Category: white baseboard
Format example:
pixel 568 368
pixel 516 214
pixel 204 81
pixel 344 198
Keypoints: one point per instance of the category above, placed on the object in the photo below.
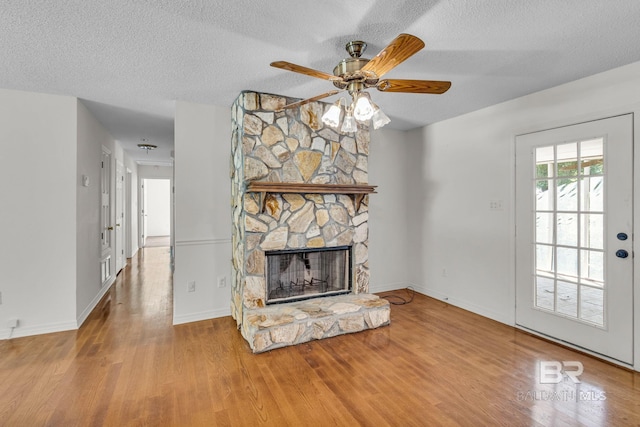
pixel 465 305
pixel 203 315
pixel 385 287
pixel 56 327
pixel 37 330
pixel 87 311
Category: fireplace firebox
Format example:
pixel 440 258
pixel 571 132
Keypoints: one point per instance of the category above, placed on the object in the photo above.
pixel 294 275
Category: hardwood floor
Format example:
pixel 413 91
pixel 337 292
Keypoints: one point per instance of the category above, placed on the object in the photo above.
pixel 435 365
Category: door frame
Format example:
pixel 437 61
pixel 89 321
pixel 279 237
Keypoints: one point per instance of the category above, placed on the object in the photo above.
pixel 120 224
pixel 142 204
pixel 127 213
pixel 612 337
pixel 106 218
pixel 632 109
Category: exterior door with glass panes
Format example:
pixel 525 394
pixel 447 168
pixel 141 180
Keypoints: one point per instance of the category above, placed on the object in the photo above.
pixel 574 230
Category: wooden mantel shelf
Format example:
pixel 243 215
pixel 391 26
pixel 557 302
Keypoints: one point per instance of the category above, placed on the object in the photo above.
pixel 356 191
pixel 287 187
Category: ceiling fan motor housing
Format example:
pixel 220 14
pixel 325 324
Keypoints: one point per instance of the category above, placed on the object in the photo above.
pixel 348 69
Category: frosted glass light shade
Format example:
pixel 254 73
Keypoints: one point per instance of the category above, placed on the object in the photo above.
pixel 379 119
pixel 349 124
pixel 363 110
pixel 332 116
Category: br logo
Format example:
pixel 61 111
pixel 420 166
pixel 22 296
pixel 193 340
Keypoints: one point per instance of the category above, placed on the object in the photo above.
pixel 553 372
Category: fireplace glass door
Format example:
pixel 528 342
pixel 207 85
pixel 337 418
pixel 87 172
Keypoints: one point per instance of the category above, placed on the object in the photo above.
pixel 307 273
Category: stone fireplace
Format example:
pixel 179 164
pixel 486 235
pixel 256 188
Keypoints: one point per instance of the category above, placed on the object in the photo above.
pixel 300 225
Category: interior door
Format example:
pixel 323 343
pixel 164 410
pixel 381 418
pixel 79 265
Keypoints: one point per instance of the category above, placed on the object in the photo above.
pixel 105 216
pixel 143 214
pixel 574 232
pixel 120 220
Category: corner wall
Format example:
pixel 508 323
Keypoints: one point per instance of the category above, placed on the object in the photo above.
pixel 91 136
pixel 38 187
pixel 388 213
pixel 132 209
pixel 462 251
pixel 202 211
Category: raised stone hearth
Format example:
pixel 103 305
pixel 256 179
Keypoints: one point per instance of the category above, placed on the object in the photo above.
pixel 295 323
pixel 298 186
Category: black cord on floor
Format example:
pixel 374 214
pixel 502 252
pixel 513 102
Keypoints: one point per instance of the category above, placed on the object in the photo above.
pixel 400 300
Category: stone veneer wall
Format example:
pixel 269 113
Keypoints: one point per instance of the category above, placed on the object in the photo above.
pixel 292 146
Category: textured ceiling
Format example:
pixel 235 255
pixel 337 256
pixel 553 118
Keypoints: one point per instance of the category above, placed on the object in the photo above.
pixel 129 61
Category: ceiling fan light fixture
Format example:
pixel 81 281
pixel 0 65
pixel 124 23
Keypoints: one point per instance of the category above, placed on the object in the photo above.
pixel 362 110
pixel 379 118
pixel 349 123
pixel 146 146
pixel 332 116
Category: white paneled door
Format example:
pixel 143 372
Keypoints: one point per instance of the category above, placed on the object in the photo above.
pixel 574 232
pixel 120 219
pixel 105 216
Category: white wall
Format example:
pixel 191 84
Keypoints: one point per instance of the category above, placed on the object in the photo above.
pixel 38 184
pixel 132 213
pixel 388 214
pixel 91 136
pixel 202 211
pixel 155 172
pixel 157 193
pixel 461 250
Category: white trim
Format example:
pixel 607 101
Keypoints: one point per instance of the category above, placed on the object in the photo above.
pixel 572 346
pixel 38 330
pixel 590 116
pixel 92 305
pixel 386 287
pixel 615 111
pixel 203 315
pixel 202 242
pixel 636 240
pixel 465 305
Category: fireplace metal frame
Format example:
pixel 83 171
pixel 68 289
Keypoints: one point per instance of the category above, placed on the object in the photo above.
pixel 351 279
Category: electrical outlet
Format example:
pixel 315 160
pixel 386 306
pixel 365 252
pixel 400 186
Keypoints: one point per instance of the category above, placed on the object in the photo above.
pixel 192 286
pixel 496 205
pixel 12 323
pixel 222 282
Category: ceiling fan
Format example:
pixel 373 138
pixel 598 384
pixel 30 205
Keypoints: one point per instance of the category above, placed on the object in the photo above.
pixel 356 74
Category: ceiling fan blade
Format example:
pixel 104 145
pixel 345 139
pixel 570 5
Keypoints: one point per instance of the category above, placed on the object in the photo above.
pixel 308 100
pixel 401 48
pixel 413 86
pixel 304 70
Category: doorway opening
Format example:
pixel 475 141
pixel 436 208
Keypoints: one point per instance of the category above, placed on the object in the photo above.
pixel 156 213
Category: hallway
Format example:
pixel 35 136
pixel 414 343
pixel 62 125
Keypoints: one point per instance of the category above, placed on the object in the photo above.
pixel 436 364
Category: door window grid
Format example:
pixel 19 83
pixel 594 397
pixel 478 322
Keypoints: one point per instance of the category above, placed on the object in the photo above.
pixel 569 230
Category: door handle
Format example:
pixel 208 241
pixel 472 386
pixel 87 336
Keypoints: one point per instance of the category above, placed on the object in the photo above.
pixel 117 225
pixel 621 253
pixel 110 228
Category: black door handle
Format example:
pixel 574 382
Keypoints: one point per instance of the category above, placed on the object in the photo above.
pixel 621 253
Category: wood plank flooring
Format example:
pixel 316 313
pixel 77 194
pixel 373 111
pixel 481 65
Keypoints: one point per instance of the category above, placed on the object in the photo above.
pixel 435 365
